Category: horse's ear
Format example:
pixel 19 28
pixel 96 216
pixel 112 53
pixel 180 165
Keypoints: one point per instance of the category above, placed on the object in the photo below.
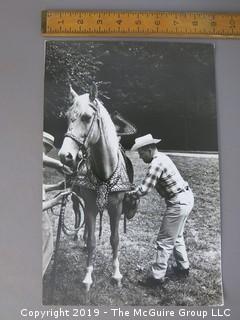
pixel 93 92
pixel 72 94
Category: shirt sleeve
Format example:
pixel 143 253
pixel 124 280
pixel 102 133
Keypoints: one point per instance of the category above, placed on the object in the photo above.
pixel 150 180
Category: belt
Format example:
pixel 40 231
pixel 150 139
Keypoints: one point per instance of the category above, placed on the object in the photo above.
pixel 186 188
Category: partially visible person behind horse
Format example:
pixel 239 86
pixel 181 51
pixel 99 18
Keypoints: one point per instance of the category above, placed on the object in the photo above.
pixel 47 233
pixel 123 126
pixel 163 175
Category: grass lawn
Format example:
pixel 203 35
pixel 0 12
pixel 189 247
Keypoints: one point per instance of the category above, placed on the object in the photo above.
pixel 203 241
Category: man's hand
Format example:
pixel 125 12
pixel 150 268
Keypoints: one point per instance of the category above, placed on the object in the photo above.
pixel 47 204
pixel 64 169
pixel 132 194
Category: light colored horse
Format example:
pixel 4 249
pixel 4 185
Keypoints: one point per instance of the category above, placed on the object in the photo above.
pixel 91 133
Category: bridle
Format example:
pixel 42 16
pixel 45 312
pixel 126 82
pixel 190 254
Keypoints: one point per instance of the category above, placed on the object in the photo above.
pixel 83 142
pixel 83 146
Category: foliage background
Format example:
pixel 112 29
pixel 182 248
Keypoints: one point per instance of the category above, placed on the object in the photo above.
pixel 167 89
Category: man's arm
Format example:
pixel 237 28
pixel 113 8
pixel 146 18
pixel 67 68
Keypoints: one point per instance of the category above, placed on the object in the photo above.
pixel 47 204
pixel 56 186
pixel 56 164
pixel 149 182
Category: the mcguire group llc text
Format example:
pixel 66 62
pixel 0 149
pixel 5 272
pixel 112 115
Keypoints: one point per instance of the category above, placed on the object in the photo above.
pixel 84 313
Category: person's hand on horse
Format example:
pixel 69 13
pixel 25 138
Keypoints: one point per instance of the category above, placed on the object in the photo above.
pixel 65 169
pixel 132 194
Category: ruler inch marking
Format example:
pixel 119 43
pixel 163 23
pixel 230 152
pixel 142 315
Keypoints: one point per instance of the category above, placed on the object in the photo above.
pixel 140 23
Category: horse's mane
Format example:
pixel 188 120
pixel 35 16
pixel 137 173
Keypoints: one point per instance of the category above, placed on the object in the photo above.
pixel 108 127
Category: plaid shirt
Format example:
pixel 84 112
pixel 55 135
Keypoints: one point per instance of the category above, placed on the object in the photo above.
pixel 164 176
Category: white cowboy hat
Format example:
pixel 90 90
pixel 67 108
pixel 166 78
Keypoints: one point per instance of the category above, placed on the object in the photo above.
pixel 48 139
pixel 144 141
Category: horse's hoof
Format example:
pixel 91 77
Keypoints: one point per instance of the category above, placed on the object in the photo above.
pixel 87 283
pixel 117 281
pixel 87 286
pixel 83 247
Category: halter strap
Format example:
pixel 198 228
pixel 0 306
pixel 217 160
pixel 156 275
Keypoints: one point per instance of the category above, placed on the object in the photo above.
pixel 74 138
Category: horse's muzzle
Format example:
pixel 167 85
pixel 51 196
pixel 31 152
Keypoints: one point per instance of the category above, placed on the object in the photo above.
pixel 66 158
pixel 68 152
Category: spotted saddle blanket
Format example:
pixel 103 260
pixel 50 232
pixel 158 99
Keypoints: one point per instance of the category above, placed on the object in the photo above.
pixel 121 180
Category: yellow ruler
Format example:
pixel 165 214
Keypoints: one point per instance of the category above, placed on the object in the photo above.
pixel 71 23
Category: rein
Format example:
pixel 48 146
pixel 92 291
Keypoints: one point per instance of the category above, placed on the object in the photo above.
pixel 66 230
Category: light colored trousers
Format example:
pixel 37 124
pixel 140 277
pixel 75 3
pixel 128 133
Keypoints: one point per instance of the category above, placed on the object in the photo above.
pixel 47 241
pixel 170 238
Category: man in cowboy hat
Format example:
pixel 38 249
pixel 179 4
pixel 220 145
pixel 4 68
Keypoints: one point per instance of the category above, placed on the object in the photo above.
pixel 165 177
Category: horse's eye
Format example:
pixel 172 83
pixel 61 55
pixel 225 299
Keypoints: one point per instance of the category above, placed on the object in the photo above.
pixel 86 118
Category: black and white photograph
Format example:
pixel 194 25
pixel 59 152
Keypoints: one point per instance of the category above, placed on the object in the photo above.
pixel 131 189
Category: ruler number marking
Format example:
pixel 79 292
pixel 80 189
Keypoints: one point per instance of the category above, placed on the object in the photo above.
pixel 232 23
pixel 183 23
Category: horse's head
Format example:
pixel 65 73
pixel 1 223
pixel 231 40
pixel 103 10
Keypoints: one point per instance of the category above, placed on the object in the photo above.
pixel 82 126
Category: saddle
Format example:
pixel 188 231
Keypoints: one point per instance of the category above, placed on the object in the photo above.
pixel 130 205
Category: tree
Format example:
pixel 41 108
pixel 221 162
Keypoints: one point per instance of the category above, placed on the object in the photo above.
pixel 66 63
pixel 157 86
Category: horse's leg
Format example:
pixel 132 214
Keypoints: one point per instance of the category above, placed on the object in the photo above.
pixel 85 234
pixel 91 213
pixel 115 211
